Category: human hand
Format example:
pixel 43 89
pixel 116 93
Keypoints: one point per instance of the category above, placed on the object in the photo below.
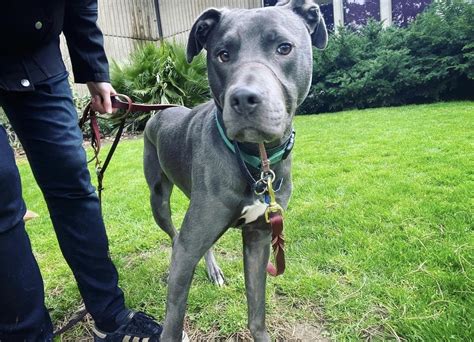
pixel 101 92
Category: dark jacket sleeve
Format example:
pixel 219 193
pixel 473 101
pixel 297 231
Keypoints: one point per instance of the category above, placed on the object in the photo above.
pixel 85 41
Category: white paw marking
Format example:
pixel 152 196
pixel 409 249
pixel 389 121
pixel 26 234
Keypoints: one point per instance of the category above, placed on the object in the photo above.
pixel 252 212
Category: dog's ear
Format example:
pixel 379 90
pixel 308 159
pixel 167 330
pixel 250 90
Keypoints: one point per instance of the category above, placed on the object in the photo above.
pixel 311 14
pixel 200 32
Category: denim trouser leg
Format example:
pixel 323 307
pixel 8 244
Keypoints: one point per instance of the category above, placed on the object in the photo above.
pixel 23 315
pixel 46 123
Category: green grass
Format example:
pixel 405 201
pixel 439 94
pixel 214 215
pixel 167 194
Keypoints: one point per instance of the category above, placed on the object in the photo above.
pixel 379 232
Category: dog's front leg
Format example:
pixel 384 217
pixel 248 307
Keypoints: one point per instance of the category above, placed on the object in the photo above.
pixel 256 240
pixel 205 221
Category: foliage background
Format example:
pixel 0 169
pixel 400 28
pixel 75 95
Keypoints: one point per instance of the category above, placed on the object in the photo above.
pixel 161 74
pixel 430 60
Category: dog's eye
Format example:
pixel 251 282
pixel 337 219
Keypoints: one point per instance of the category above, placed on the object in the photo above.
pixel 223 56
pixel 284 49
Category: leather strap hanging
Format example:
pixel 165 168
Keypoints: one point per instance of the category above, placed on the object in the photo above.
pixel 91 116
pixel 274 217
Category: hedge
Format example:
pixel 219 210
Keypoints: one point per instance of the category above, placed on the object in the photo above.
pixel 430 60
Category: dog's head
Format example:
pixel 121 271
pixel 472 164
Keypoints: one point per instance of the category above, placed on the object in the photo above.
pixel 259 64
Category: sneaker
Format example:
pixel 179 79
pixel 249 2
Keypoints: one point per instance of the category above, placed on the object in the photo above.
pixel 136 326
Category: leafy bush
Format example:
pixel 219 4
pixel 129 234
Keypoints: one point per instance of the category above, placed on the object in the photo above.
pixel 431 60
pixel 161 74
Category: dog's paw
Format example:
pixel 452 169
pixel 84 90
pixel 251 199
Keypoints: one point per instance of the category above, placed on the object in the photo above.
pixel 215 274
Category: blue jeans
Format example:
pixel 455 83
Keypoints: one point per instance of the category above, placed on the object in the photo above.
pixel 45 121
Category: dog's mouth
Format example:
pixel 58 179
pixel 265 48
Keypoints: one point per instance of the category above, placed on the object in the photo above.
pixel 263 129
pixel 253 135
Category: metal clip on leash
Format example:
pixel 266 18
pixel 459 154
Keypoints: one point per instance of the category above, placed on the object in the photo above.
pixel 273 206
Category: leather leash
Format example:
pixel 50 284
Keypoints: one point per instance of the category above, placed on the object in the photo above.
pixel 273 216
pixel 91 115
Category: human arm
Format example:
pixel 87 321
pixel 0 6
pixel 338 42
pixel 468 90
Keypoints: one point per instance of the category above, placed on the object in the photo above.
pixel 86 49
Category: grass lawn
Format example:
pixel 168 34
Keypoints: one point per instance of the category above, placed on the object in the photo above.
pixel 379 234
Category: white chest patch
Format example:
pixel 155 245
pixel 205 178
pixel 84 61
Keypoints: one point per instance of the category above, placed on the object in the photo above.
pixel 252 212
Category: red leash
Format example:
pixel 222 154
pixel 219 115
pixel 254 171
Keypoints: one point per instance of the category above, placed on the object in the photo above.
pixel 274 217
pixel 90 115
pixel 278 244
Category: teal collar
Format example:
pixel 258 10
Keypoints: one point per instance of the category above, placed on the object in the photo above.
pixel 275 155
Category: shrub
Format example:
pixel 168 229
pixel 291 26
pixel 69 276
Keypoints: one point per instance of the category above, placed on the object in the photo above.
pixel 431 60
pixel 161 74
pixel 441 43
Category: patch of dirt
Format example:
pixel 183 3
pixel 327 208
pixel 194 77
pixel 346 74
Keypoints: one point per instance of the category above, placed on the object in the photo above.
pixel 297 332
pixel 301 332
pixel 308 332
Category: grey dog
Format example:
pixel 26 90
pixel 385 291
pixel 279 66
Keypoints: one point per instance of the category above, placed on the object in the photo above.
pixel 259 67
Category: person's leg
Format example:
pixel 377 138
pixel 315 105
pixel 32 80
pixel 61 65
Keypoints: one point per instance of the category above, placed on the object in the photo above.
pixel 23 316
pixel 46 123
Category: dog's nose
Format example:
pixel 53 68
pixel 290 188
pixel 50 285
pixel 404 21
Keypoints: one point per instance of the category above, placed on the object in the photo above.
pixel 245 100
